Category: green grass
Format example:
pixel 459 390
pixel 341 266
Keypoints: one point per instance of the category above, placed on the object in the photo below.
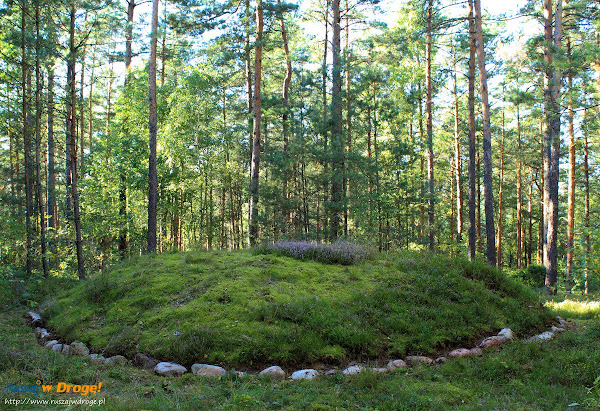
pixel 242 310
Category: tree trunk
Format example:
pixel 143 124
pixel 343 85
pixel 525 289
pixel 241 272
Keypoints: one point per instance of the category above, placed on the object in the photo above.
pixel 471 119
pixel 487 141
pixel 152 175
pixel 571 189
pixel 51 184
pixel 255 160
pixel 429 113
pixel 551 141
pixel 586 210
pixel 348 119
pixel 519 258
pixel 500 198
pixel 337 138
pixel 285 93
pixel 457 165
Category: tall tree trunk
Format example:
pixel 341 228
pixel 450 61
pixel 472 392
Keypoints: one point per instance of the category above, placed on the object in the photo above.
pixel 471 119
pixel 429 113
pixel 571 192
pixel 255 160
pixel 487 140
pixel 500 197
pixel 152 175
pixel 457 165
pixel 348 118
pixel 586 210
pixel 51 184
pixel 27 166
pixel 520 236
pixel 552 140
pixel 337 138
pixel 38 143
pixel 285 93
pixel 325 120
pixel 72 142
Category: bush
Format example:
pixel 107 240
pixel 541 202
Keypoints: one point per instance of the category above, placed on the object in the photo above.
pixel 533 276
pixel 340 252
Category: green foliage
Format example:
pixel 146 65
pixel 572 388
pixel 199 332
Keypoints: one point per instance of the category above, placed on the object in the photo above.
pixel 240 308
pixel 533 275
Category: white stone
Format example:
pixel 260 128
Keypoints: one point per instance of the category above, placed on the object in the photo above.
pixel 207 370
pixel 545 336
pixel 52 343
pixel 379 370
pixel 396 364
pixel 57 347
pixel 169 369
pixel 274 371
pixel 308 374
pixel 555 329
pixel 353 370
pixel 506 334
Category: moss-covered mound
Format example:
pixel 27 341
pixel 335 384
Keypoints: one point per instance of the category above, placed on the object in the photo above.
pixel 244 310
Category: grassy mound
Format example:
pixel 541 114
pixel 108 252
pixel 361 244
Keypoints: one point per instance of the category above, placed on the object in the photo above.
pixel 241 309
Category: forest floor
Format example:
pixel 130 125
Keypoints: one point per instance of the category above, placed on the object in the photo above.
pixel 562 373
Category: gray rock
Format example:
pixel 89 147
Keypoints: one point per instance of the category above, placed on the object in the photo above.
pixel 35 320
pixel 308 374
pixel 478 352
pixel 545 336
pixel 240 374
pixel 555 329
pixel 98 358
pixel 57 347
pixel 274 371
pixel 207 370
pixel 460 352
pixel 51 343
pixel 79 348
pixel 169 369
pixel 440 360
pixel 413 360
pixel 144 361
pixel 379 370
pixel 42 334
pixel 396 364
pixel 66 349
pixel 493 341
pixel 332 371
pixel 116 360
pixel 506 334
pixel 353 370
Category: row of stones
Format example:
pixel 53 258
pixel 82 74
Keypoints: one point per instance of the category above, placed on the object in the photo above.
pixel 206 370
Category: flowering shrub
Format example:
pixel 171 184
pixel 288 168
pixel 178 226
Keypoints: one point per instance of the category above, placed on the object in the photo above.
pixel 340 252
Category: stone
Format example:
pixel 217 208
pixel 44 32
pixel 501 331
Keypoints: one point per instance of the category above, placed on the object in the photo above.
pixel 66 349
pixel 379 370
pixel 396 364
pixel 240 374
pixel 51 343
pixel 207 370
pixel 308 374
pixel 353 370
pixel 413 360
pixel 506 334
pixel 274 371
pixel 79 348
pixel 144 361
pixel 494 341
pixel 460 352
pixel 57 347
pixel 98 358
pixel 169 369
pixel 545 336
pixel 35 320
pixel 478 352
pixel 116 360
pixel 42 333
pixel 555 329
pixel 332 371
pixel 440 360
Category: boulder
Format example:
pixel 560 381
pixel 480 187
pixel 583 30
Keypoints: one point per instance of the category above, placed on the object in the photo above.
pixel 98 358
pixel 274 371
pixel 545 336
pixel 494 341
pixel 379 370
pixel 332 371
pixel 57 347
pixel 396 364
pixel 555 329
pixel 308 374
pixel 66 349
pixel 51 343
pixel 144 361
pixel 506 334
pixel 34 319
pixel 116 360
pixel 460 352
pixel 207 370
pixel 169 369
pixel 440 360
pixel 413 360
pixel 42 334
pixel 478 352
pixel 79 348
pixel 353 370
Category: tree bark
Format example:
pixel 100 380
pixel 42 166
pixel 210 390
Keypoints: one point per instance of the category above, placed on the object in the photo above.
pixel 500 197
pixel 586 210
pixel 487 141
pixel 27 166
pixel 337 138
pixel 51 177
pixel 471 120
pixel 520 236
pixel 429 113
pixel 255 160
pixel 457 165
pixel 285 93
pixel 152 174
pixel 571 189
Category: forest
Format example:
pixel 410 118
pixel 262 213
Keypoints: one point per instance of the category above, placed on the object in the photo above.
pixel 132 127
